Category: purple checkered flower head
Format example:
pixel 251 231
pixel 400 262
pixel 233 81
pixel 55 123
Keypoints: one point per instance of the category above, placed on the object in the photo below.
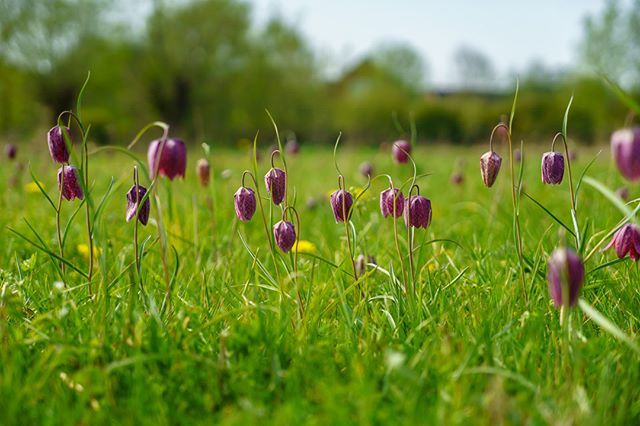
pixel 490 163
pixel 388 198
pixel 244 201
pixel 134 198
pixel 57 145
pixel 168 157
pixel 285 235
pixel 417 211
pixel 69 183
pixel 625 148
pixel 565 268
pixel 341 202
pixel 276 182
pixel 626 241
pixel 552 168
pixel 400 151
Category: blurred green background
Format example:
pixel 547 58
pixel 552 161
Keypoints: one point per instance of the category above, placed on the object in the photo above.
pixel 209 70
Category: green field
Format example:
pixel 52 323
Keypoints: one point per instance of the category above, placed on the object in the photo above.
pixel 471 346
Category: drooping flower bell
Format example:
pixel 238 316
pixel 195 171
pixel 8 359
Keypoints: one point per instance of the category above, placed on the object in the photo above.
pixel 552 168
pixel 341 202
pixel 203 171
pixel 387 199
pixel 565 268
pixel 400 151
pixel 366 169
pixel 57 145
pixel 490 163
pixel 625 148
pixel 292 147
pixel 626 241
pixel 276 183
pixel 134 198
pixel 417 212
pixel 11 150
pixel 69 183
pixel 285 235
pixel 169 159
pixel 244 201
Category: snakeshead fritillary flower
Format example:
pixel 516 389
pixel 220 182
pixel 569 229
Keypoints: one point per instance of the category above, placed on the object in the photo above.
pixel 57 146
pixel 626 240
pixel 490 163
pixel 552 168
pixel 276 182
pixel 244 201
pixel 625 148
pixel 565 268
pixel 203 171
pixel 366 169
pixel 341 202
pixel 292 147
pixel 623 193
pixel 400 151
pixel 417 212
pixel 387 198
pixel 285 235
pixel 11 150
pixel 133 201
pixel 457 178
pixel 70 185
pixel 171 162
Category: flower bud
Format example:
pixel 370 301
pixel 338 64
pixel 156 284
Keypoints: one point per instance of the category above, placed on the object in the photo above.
pixel 134 197
pixel 626 241
pixel 11 150
pixel 625 148
pixel 417 212
pixel 366 169
pixel 203 171
pixel 490 163
pixel 552 168
pixel 285 235
pixel 57 145
pixel 341 202
pixel 68 183
pixel 276 182
pixel 400 151
pixel 168 159
pixel 244 201
pixel 387 199
pixel 565 268
pixel 292 147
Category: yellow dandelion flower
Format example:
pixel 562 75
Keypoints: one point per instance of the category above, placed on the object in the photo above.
pixel 83 249
pixel 31 187
pixel 304 246
pixel 432 267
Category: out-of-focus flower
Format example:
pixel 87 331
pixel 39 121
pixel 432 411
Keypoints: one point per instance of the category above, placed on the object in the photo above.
pixel 366 169
pixel 168 157
pixel 565 268
pixel 625 148
pixel 203 171
pixel 11 151
pixel 304 246
pixel 626 241
pixel 400 151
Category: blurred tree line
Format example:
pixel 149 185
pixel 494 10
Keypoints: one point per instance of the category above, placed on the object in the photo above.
pixel 203 67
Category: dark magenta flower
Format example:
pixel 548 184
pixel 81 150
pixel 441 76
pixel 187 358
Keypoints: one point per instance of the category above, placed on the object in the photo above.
pixel 565 268
pixel 400 151
pixel 552 168
pixel 276 182
pixel 69 184
pixel 171 161
pixel 292 147
pixel 203 171
pixel 625 148
pixel 285 235
pixel 417 212
pixel 244 201
pixel 490 163
pixel 517 155
pixel 134 197
pixel 341 202
pixel 387 199
pixel 626 240
pixel 11 150
pixel 57 145
pixel 366 169
pixel 457 178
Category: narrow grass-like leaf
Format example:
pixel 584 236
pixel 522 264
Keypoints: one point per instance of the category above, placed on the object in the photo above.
pixel 551 215
pixel 610 195
pixel 607 325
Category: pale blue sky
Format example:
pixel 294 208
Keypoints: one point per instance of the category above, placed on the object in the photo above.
pixel 511 33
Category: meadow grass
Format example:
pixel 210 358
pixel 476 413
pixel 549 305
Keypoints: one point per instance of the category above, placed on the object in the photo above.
pixel 467 349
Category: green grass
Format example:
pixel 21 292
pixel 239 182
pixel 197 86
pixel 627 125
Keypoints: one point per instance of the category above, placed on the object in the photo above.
pixel 466 350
